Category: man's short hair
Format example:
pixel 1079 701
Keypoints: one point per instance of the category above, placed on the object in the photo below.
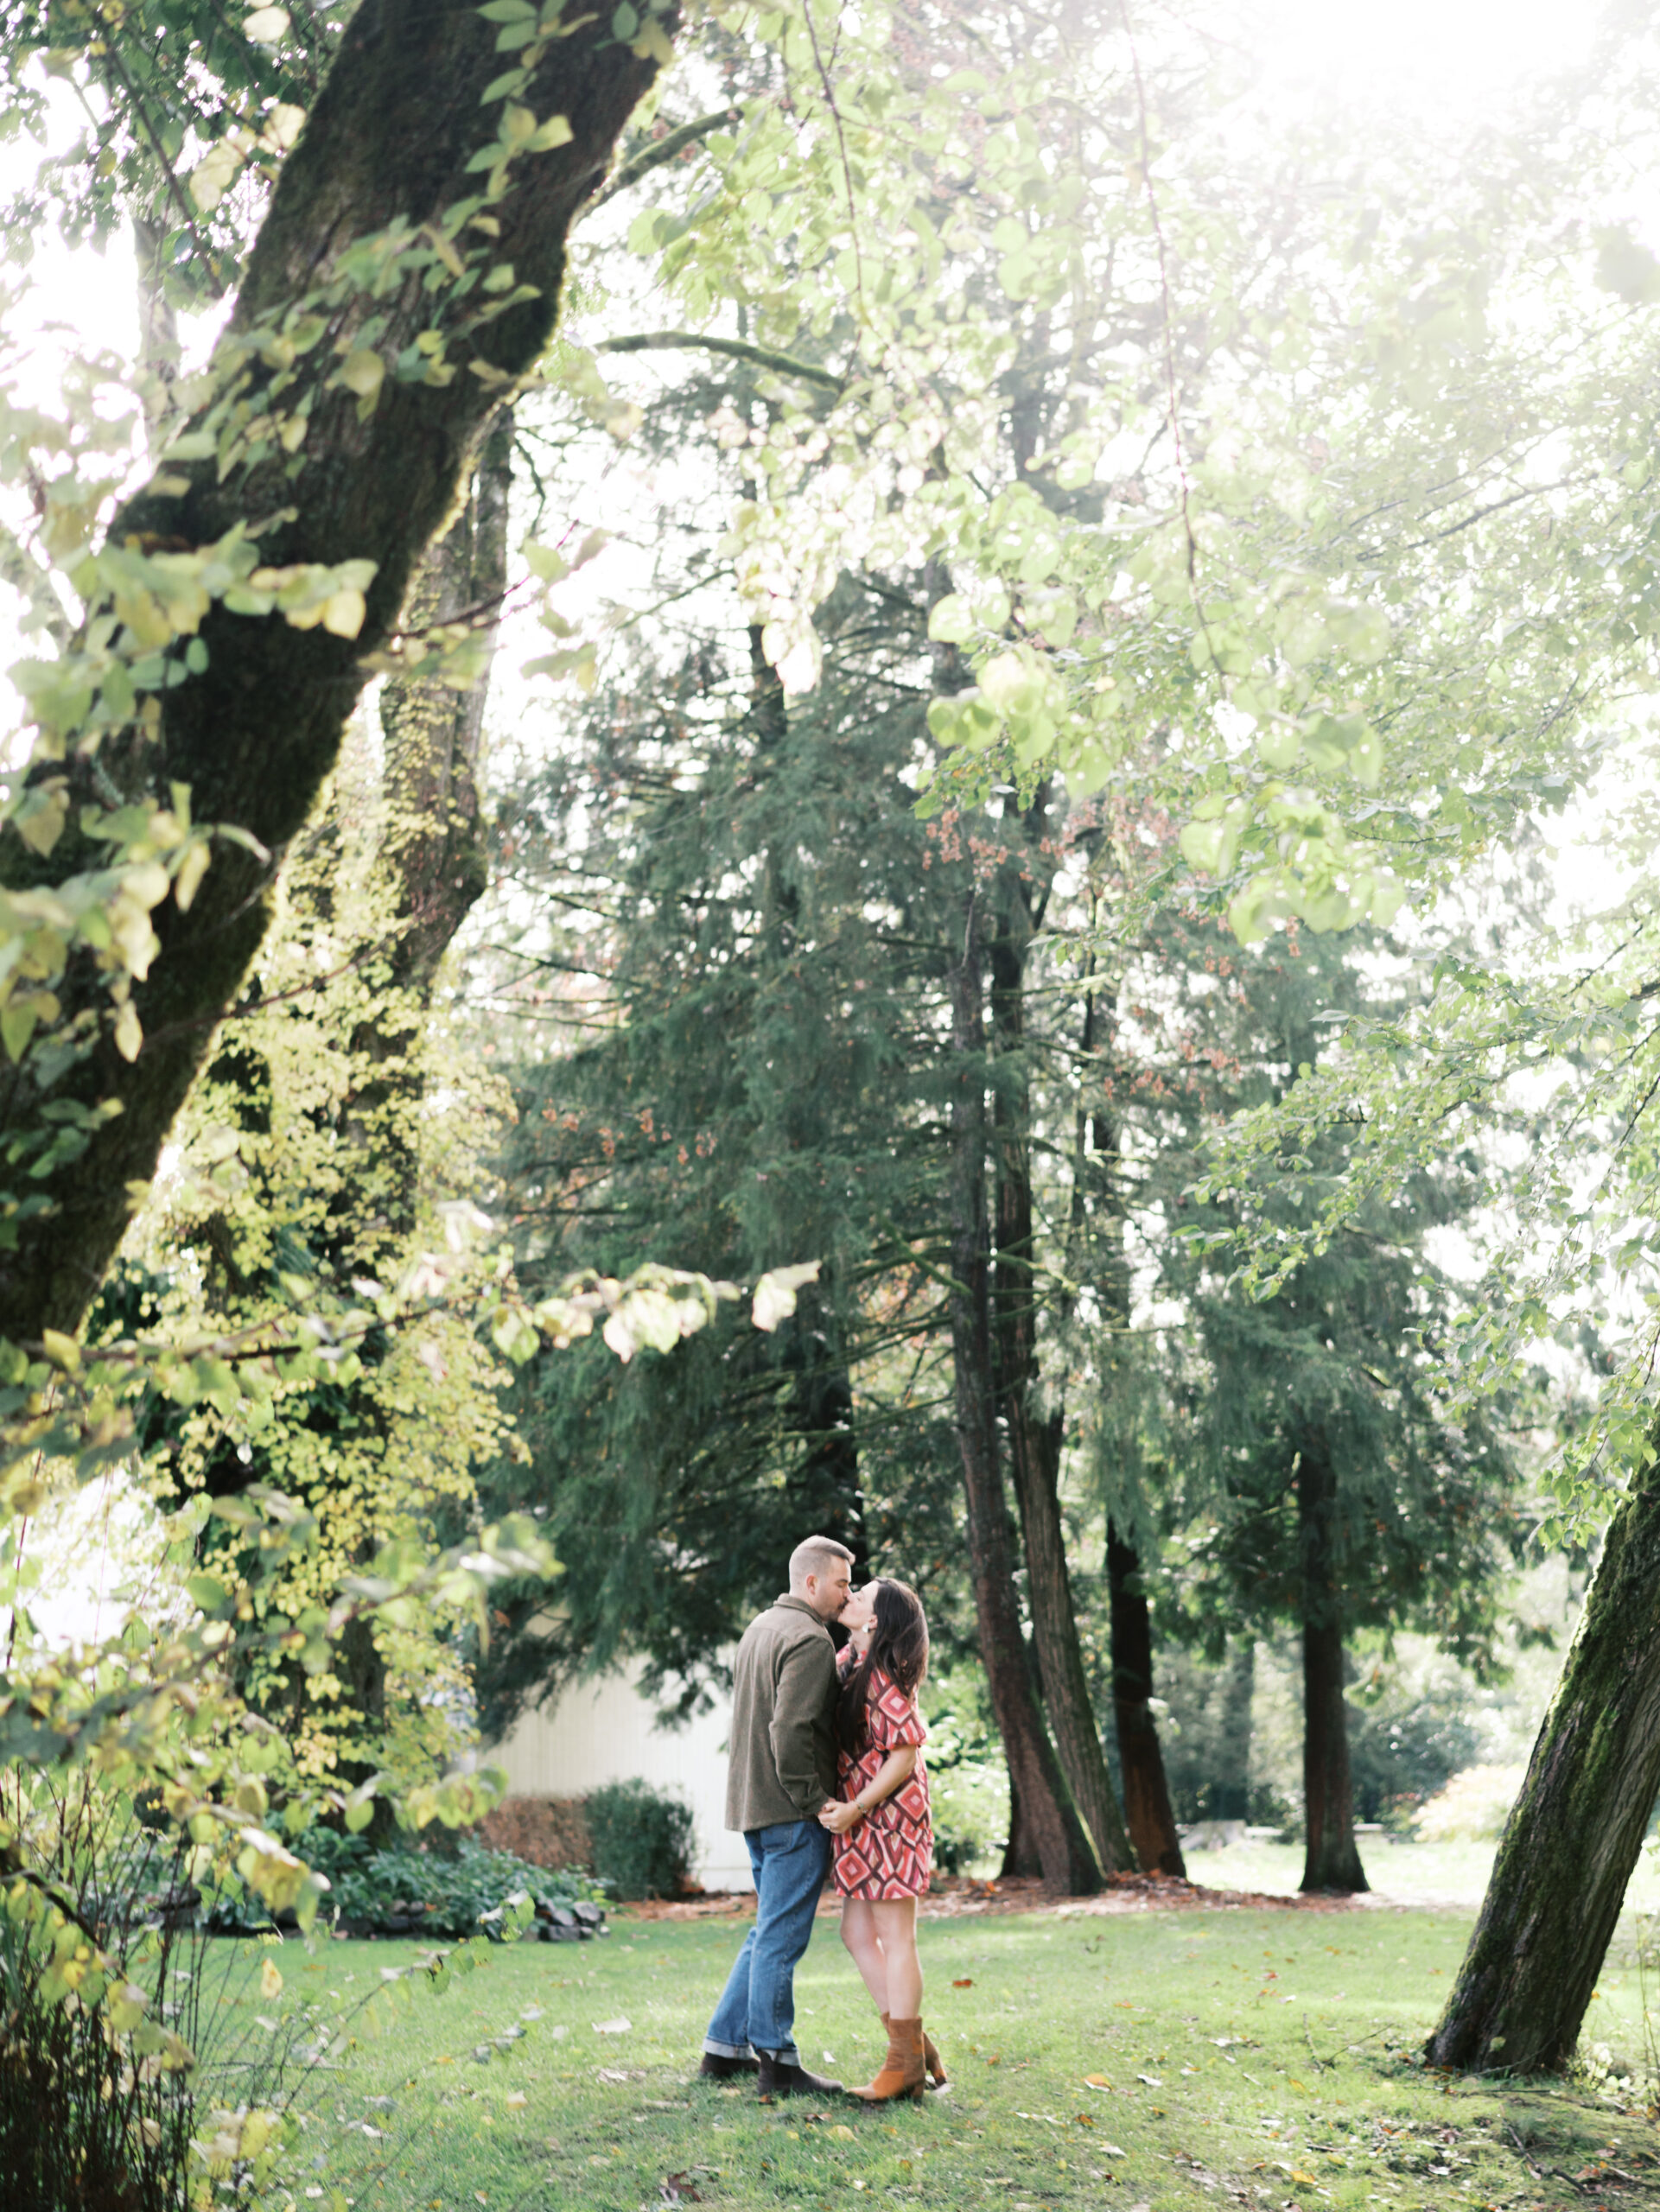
pixel 813 1555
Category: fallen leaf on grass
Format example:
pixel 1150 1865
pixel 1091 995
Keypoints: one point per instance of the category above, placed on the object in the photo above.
pixel 1308 2181
pixel 1114 2151
pixel 844 2134
pixel 614 2027
pixel 967 1982
pixel 517 2100
pixel 679 2188
pixel 1097 2081
pixel 1154 2081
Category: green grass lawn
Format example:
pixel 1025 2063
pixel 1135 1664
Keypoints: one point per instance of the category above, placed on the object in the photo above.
pixel 1435 1874
pixel 1258 2058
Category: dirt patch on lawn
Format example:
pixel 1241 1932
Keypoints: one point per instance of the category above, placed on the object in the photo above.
pixel 958 1896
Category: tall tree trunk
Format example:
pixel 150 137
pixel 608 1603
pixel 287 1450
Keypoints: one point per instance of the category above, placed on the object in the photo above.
pixel 1331 1859
pixel 1576 1829
pixel 825 1479
pixel 1034 1437
pixel 1230 1798
pixel 1046 1807
pixel 1146 1793
pixel 1020 1850
pixel 434 853
pixel 254 736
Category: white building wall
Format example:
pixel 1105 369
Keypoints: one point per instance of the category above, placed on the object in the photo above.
pixel 604 1731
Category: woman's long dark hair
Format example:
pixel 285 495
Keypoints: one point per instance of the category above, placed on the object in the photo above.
pixel 899 1645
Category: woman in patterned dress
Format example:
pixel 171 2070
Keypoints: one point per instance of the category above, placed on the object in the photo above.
pixel 882 1824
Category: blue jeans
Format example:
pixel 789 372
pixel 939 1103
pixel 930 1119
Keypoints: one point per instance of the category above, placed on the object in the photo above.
pixel 757 2008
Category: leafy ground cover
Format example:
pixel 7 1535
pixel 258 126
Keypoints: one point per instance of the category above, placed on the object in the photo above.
pixel 1137 2062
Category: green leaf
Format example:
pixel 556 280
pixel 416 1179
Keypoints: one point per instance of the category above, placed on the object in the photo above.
pixel 207 1593
pixel 951 620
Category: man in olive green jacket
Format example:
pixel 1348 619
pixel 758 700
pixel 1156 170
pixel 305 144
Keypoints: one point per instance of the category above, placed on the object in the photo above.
pixel 782 1750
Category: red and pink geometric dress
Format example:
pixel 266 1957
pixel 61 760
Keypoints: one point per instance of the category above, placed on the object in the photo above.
pixel 889 1854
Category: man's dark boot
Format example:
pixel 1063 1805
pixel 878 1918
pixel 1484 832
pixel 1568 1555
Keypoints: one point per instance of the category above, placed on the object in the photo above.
pixel 717 2067
pixel 779 2078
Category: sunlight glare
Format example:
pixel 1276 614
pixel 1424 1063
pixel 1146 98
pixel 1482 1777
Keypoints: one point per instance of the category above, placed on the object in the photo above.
pixel 1451 55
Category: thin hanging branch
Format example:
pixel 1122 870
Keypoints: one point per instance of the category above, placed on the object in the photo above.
pixel 763 357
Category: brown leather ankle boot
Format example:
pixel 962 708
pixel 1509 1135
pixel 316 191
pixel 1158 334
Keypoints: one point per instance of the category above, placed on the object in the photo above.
pixel 902 2072
pixel 931 2059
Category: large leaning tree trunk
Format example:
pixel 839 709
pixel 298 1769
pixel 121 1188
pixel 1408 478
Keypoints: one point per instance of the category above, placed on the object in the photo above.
pixel 1575 1832
pixel 1048 1820
pixel 1331 1857
pixel 1034 1433
pixel 1148 1814
pixel 255 735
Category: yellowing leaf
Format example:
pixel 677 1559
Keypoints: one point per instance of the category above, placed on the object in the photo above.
pixel 63 1351
pixel 129 1031
pixel 285 122
pixel 40 819
pixel 775 1294
pixel 652 44
pixel 192 868
pixel 363 371
pixel 212 176
pixel 343 615
pixel 270 1981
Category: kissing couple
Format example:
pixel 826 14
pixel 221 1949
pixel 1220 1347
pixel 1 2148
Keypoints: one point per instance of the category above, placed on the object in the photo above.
pixel 826 1765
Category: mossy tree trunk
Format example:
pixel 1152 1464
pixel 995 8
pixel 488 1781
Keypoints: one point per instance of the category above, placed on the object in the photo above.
pixel 1047 1818
pixel 1575 1831
pixel 256 734
pixel 1140 1761
pixel 1331 1858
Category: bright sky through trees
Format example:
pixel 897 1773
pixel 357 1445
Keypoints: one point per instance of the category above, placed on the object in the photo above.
pixel 1445 56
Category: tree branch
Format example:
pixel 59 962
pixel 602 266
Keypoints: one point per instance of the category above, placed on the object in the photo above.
pixel 665 150
pixel 675 342
pixel 255 734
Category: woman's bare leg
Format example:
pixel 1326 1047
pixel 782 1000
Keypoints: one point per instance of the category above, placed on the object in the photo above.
pixel 864 1946
pixel 894 1922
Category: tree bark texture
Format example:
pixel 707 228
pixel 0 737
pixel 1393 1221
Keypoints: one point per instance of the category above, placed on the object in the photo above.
pixel 256 734
pixel 434 735
pixel 1146 1793
pixel 1330 1858
pixel 1046 1814
pixel 1575 1832
pixel 1034 1436
pixel 1019 1850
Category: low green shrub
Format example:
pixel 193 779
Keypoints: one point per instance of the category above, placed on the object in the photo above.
pixel 411 1890
pixel 642 1838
